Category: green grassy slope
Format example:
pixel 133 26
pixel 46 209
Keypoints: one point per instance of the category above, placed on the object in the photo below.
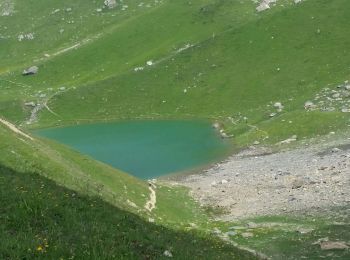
pixel 56 25
pixel 46 221
pixel 87 176
pixel 240 63
pixel 236 72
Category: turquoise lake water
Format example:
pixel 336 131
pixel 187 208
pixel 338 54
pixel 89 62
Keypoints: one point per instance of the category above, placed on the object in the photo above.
pixel 145 149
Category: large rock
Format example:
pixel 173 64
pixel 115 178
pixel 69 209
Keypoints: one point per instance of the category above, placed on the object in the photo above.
pixel 30 71
pixel 329 245
pixel 110 3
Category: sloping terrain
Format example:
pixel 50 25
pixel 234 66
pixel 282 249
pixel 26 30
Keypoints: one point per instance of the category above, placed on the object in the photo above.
pixel 48 212
pixel 43 220
pixel 209 59
pixel 252 72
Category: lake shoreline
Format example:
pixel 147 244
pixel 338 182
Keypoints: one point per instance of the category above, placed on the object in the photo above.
pixel 260 181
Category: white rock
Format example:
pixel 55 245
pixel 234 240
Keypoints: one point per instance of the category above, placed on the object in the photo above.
pixel 309 105
pixel 167 253
pixel 224 181
pixel 110 3
pixel 289 140
pixel 30 104
pixel 278 105
pixel 30 71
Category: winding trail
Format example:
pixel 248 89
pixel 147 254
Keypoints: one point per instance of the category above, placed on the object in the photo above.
pixel 13 128
pixel 151 203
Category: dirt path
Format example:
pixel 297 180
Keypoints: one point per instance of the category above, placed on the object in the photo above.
pixel 13 128
pixel 151 203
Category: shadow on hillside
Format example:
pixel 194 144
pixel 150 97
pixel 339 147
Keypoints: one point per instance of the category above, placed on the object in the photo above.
pixel 39 219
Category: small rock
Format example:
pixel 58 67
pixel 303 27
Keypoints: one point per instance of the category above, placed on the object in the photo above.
pixel 330 245
pixel 304 230
pixel 30 104
pixel 231 233
pixel 224 181
pixel 289 140
pixel 336 150
pixel 247 234
pixel 216 231
pixel 216 125
pixel 30 71
pixel 237 228
pixel 298 183
pixel 309 105
pixel 110 3
pixel 278 105
pixel 167 253
pixel 252 225
pixel 256 143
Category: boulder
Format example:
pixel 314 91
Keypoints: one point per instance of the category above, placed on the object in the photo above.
pixel 167 253
pixel 30 71
pixel 278 105
pixel 330 245
pixel 110 3
pixel 309 105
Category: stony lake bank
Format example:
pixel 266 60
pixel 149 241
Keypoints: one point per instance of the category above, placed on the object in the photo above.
pixel 261 181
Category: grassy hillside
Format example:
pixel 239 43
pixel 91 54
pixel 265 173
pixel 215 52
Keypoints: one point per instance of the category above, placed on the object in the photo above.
pixel 43 220
pixel 211 59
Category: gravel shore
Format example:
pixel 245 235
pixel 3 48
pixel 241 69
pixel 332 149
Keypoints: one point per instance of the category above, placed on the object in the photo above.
pixel 257 182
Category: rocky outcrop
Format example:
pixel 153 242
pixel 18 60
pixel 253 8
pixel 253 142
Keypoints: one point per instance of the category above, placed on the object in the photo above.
pixel 30 71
